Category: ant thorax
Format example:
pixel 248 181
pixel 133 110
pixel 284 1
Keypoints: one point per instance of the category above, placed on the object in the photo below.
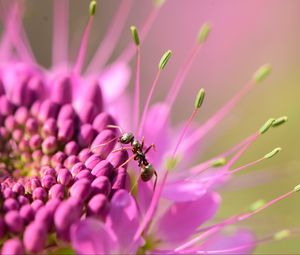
pixel 136 145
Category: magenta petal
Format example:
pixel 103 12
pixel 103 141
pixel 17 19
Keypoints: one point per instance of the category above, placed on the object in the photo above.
pixel 91 236
pixel 123 219
pixel 184 191
pixel 158 133
pixel 240 242
pixel 145 192
pixel 181 220
pixel 114 80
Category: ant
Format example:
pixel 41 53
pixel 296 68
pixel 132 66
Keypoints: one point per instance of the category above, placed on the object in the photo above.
pixel 147 169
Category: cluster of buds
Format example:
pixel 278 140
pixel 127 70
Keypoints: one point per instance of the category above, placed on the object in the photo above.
pixel 50 175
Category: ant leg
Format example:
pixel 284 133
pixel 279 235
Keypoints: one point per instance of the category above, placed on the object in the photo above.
pixel 142 145
pixel 155 182
pixel 129 159
pixel 117 127
pixel 122 148
pixel 103 144
pixel 149 148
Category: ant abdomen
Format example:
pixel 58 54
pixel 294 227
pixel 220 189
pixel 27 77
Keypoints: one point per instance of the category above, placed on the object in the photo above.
pixel 147 172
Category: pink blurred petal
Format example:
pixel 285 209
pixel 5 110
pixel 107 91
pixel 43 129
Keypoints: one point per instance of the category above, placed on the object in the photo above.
pixel 114 80
pixel 181 220
pixel 240 242
pixel 156 130
pixel 91 236
pixel 123 219
pixel 182 191
pixel 145 192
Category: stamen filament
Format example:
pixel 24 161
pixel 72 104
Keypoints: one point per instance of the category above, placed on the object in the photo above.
pixel 136 104
pixel 111 38
pixel 247 215
pixel 144 115
pixel 128 52
pixel 197 135
pixel 83 45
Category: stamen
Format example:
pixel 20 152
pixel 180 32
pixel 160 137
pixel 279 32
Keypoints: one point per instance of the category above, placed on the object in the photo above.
pixel 136 105
pixel 162 63
pixel 60 36
pixel 247 215
pixel 262 73
pixel 186 66
pixel 267 156
pixel 266 126
pixel 197 135
pixel 231 172
pixel 111 38
pixel 198 102
pixel 280 121
pixel 272 153
pixel 128 52
pixel 84 40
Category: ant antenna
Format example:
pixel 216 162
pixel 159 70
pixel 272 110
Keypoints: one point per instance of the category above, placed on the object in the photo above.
pixel 129 159
pixel 103 144
pixel 116 127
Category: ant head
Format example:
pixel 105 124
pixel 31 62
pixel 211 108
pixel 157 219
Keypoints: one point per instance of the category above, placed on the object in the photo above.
pixel 136 144
pixel 126 138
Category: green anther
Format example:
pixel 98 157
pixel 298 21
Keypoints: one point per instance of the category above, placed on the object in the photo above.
pixel 297 188
pixel 266 126
pixel 135 35
pixel 256 205
pixel 282 234
pixel 203 33
pixel 280 121
pixel 171 163
pixel 219 162
pixel 199 98
pixel 272 153
pixel 262 73
pixel 92 7
pixel 164 59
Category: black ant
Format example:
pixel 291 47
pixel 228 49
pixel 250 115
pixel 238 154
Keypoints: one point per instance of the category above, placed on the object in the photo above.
pixel 147 169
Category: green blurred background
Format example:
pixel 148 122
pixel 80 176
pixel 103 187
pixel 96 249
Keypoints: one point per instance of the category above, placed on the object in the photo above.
pixel 245 34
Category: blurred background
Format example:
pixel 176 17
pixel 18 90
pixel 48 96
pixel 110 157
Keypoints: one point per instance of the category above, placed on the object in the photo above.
pixel 245 35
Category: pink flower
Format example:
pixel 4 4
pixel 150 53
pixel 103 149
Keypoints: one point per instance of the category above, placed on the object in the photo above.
pixel 66 168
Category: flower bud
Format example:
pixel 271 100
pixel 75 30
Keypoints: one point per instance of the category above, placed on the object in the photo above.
pixel 35 237
pixel 12 246
pixel 103 168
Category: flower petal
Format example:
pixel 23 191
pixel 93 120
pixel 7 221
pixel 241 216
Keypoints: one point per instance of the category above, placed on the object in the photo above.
pixel 184 191
pixel 123 219
pixel 182 219
pixel 156 131
pixel 91 236
pixel 114 79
